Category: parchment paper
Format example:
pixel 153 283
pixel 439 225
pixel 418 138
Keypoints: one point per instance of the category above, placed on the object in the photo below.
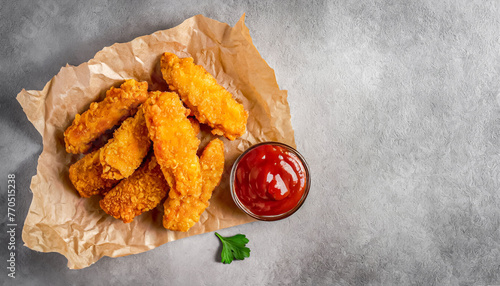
pixel 59 220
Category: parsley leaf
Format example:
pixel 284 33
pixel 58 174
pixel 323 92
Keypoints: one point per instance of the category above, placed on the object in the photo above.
pixel 233 248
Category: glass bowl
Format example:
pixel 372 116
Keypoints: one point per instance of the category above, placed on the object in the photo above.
pixel 274 217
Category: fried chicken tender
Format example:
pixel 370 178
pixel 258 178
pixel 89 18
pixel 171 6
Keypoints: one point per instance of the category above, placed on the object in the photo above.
pixel 196 125
pixel 124 153
pixel 212 166
pixel 181 213
pixel 136 194
pixel 174 142
pixel 209 101
pixel 118 104
pixel 86 173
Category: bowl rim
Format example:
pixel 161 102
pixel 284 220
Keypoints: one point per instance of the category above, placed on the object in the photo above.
pixel 242 207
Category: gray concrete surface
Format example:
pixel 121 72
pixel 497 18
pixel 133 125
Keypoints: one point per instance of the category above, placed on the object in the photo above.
pixel 395 104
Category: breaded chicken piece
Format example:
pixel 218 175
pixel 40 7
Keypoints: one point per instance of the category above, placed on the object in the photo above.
pixel 196 125
pixel 182 213
pixel 174 142
pixel 124 153
pixel 136 194
pixel 212 166
pixel 118 104
pixel 209 101
pixel 86 173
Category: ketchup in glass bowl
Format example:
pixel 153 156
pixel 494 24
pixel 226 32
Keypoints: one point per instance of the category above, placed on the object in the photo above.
pixel 270 181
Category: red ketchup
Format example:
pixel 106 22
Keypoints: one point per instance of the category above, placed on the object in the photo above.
pixel 270 180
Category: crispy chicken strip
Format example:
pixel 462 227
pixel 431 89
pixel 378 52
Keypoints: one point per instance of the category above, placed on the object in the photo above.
pixel 174 142
pixel 212 166
pixel 124 153
pixel 182 213
pixel 196 125
pixel 136 194
pixel 210 102
pixel 86 173
pixel 119 104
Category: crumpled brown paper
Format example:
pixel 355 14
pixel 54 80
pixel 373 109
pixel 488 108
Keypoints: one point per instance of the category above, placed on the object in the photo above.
pixel 59 220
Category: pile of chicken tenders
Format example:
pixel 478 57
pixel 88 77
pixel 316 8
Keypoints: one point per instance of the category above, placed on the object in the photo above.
pixel 153 153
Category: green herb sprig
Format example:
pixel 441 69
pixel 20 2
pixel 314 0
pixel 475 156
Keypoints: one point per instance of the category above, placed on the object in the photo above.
pixel 233 248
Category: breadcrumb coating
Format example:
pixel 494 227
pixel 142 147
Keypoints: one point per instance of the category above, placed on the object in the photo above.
pixel 181 213
pixel 86 173
pixel 196 125
pixel 118 104
pixel 212 167
pixel 136 194
pixel 174 142
pixel 209 101
pixel 124 153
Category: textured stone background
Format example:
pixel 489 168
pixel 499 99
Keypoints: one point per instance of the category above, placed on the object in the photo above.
pixel 395 105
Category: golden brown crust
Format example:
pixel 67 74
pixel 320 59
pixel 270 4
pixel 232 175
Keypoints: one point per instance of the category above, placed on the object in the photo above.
pixel 86 173
pixel 181 213
pixel 209 101
pixel 136 194
pixel 123 154
pixel 118 104
pixel 174 143
pixel 212 167
pixel 196 125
